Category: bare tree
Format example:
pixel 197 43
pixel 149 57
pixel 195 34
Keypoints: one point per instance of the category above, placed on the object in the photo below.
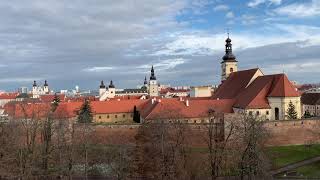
pixel 217 137
pixel 253 162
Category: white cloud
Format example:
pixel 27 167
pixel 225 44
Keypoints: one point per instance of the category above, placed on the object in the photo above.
pixel 221 7
pixel 248 19
pixel 300 10
pixel 204 43
pixel 99 69
pixel 230 15
pixel 165 64
pixel 255 3
pixel 311 66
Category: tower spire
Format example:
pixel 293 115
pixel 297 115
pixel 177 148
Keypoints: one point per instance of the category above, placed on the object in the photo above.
pixel 152 77
pixel 102 85
pixel 111 84
pixel 34 83
pixel 145 80
pixel 45 83
pixel 229 57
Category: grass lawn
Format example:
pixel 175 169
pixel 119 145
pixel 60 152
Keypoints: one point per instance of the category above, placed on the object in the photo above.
pixel 310 171
pixel 284 155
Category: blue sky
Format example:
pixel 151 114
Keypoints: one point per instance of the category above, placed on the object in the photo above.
pixel 81 42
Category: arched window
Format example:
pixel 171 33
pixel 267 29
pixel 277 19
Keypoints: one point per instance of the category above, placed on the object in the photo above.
pixel 231 70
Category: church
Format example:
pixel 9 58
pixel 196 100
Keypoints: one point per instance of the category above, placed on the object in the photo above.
pixel 254 93
pixel 37 91
pixel 150 89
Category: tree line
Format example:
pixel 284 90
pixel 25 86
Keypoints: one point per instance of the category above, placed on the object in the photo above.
pixel 57 147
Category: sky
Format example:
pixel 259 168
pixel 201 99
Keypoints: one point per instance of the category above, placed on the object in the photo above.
pixel 82 42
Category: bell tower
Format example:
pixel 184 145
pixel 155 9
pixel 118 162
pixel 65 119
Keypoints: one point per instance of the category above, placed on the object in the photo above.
pixel 153 85
pixel 229 62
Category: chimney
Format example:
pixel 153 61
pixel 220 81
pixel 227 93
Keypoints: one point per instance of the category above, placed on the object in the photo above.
pixel 180 98
pixel 187 103
pixel 152 101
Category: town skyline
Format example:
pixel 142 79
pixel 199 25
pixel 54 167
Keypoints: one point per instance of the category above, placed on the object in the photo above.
pixel 184 40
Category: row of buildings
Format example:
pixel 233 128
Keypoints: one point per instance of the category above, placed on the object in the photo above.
pixel 241 92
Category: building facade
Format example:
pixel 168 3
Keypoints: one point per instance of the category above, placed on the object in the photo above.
pixel 265 96
pixel 38 90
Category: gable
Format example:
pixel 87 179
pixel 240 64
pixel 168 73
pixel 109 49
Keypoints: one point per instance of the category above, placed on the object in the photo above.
pixel 235 84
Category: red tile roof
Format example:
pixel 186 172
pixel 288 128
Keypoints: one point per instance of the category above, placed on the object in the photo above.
pixel 8 95
pixel 282 87
pixel 255 95
pixel 70 109
pixel 173 108
pixel 50 97
pixel 235 84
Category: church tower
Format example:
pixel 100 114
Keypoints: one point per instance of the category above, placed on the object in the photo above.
pixel 46 87
pixel 145 84
pixel 111 90
pixel 153 85
pixel 34 88
pixel 102 89
pixel 229 62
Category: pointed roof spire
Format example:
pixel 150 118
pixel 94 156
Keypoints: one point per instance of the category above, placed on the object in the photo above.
pixel 45 83
pixel 229 57
pixel 34 84
pixel 102 85
pixel 145 80
pixel 111 84
pixel 152 77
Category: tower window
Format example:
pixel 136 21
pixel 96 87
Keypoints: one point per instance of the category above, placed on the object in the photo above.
pixel 231 70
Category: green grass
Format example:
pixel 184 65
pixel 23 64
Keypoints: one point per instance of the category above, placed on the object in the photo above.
pixel 310 171
pixel 283 155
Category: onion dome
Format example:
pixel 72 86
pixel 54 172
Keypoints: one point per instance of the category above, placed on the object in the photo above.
pixel 102 85
pixel 229 57
pixel 45 83
pixel 111 84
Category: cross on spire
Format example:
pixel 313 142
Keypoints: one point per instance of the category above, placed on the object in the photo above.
pixel 228 32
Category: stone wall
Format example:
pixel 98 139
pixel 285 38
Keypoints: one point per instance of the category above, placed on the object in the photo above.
pixel 281 133
pixel 293 132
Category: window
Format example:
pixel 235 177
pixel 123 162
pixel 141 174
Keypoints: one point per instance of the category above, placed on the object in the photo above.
pixel 108 116
pixel 257 113
pixel 99 117
pixel 250 113
pixel 116 116
pixel 123 115
pixel 231 70
pixel 267 112
pixel 276 113
pixel 195 121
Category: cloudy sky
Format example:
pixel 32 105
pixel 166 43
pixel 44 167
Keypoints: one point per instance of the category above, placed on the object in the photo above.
pixel 81 42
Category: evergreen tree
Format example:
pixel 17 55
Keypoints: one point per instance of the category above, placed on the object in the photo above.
pixel 136 115
pixel 85 113
pixel 55 102
pixel 291 112
pixel 307 114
